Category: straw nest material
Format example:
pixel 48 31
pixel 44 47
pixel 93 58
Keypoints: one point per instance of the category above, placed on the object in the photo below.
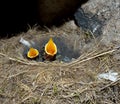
pixel 24 81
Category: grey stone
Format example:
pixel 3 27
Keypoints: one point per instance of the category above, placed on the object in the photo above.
pixel 108 11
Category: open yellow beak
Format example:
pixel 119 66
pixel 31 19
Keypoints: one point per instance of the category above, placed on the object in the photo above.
pixel 51 48
pixel 32 53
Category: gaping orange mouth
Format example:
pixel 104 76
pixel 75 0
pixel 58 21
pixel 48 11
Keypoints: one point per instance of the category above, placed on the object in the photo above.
pixel 51 48
pixel 32 53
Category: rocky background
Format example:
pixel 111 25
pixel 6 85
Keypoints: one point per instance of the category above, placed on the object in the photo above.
pixel 109 12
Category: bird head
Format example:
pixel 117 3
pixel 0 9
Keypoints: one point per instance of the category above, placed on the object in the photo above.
pixel 51 48
pixel 32 53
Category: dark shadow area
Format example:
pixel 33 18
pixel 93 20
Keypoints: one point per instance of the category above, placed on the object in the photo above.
pixel 57 12
pixel 16 16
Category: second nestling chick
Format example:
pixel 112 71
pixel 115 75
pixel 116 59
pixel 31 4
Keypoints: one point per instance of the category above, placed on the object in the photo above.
pixel 31 50
pixel 32 53
pixel 50 50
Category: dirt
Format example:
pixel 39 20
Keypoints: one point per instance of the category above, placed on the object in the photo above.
pixel 24 81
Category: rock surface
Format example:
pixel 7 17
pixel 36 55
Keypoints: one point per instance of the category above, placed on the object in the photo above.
pixel 108 11
pixel 88 22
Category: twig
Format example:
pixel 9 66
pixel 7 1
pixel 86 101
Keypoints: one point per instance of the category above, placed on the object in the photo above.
pixel 5 95
pixel 25 62
pixel 29 96
pixel 42 94
pixel 90 58
pixel 74 93
pixel 112 83
pixel 11 76
pixel 21 61
pixel 79 61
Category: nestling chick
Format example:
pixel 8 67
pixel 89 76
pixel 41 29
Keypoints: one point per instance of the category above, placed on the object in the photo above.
pixel 32 53
pixel 31 50
pixel 50 50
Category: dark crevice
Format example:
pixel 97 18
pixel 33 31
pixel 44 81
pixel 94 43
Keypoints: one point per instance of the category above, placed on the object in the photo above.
pixel 15 16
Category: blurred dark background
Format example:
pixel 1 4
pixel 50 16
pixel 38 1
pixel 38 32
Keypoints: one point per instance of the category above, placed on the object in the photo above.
pixel 15 16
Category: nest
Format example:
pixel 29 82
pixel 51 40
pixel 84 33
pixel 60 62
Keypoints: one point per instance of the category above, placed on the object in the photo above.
pixel 24 81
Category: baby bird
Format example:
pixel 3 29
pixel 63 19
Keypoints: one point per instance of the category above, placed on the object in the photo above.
pixel 35 52
pixel 50 50
pixel 31 50
pixel 32 53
